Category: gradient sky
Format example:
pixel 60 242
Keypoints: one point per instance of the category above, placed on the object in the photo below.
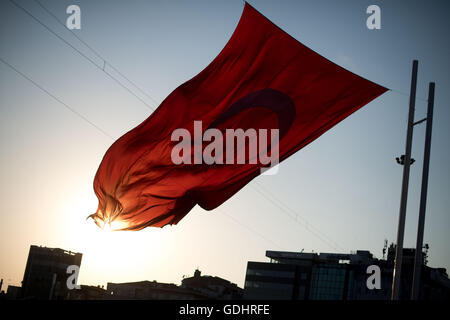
pixel 343 189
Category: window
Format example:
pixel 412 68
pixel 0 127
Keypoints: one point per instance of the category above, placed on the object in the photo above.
pixel 328 282
pixel 271 273
pixel 268 285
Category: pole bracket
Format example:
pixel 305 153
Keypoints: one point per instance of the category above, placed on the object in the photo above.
pixel 420 121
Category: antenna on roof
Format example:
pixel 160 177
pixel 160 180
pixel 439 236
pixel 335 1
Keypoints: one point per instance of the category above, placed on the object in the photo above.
pixel 385 247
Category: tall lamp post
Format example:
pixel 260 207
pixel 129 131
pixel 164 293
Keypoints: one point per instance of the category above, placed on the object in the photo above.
pixel 406 161
pixel 415 293
pixel 404 196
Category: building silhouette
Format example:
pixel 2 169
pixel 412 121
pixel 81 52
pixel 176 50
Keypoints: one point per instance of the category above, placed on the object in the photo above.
pixel 46 273
pixel 288 276
pixel 87 293
pixel 149 290
pixel 212 287
pixel 13 292
pixel 336 276
pixel 197 287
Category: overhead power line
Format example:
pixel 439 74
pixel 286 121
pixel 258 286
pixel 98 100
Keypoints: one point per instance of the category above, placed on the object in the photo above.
pixel 295 216
pixel 82 54
pixel 96 53
pixel 248 228
pixel 57 99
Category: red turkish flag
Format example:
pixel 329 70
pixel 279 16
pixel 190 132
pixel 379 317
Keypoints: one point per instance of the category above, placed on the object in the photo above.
pixel 262 79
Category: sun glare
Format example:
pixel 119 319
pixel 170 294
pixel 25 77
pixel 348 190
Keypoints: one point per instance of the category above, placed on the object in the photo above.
pixel 108 251
pixel 107 227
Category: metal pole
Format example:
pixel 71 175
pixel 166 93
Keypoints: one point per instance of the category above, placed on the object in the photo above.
pixel 404 196
pixel 423 196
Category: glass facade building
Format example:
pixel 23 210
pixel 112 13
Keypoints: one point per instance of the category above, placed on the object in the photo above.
pixel 330 282
pixel 336 276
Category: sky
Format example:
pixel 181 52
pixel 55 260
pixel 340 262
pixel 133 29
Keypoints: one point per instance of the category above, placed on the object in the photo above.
pixel 341 193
